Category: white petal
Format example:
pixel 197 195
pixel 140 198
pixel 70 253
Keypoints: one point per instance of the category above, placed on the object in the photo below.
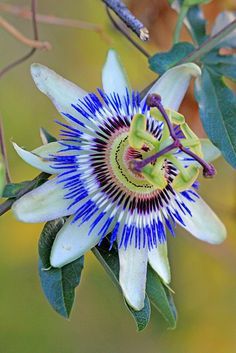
pixel 158 259
pixel 210 152
pixel 222 20
pixel 114 78
pixel 75 239
pixel 72 242
pixel 61 91
pixel 43 204
pixel 36 157
pixel 173 85
pixel 204 224
pixel 133 272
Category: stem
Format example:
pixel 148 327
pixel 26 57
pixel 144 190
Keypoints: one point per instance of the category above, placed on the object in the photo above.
pixel 128 18
pixel 210 43
pixel 4 152
pixel 179 24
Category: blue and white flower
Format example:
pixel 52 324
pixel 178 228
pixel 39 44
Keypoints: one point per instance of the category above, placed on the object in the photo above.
pixel 96 186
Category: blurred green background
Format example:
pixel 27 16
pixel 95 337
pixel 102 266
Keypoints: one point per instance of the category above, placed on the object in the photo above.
pixel 204 276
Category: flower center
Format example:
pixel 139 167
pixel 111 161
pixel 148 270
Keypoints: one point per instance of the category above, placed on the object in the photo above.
pixel 118 157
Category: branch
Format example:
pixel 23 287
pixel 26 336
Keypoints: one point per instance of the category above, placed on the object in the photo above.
pixel 21 38
pixel 25 13
pixel 128 18
pixel 32 51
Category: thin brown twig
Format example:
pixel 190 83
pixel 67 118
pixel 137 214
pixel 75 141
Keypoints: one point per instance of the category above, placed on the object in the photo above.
pixel 25 13
pixel 32 51
pixel 126 34
pixel 5 70
pixel 4 152
pixel 21 37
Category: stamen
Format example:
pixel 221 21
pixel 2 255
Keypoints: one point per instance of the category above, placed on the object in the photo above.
pixel 138 165
pixel 154 101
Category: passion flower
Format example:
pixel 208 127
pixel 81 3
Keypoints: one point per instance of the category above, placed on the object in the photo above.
pixel 125 167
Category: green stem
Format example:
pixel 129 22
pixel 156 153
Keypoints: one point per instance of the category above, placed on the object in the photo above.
pixel 210 43
pixel 179 24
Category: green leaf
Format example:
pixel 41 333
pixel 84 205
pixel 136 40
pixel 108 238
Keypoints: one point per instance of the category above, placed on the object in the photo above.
pixel 224 65
pixel 46 137
pixel 214 58
pixel 46 240
pixel 161 62
pixel 161 298
pixel 226 70
pixel 197 24
pixel 159 295
pixel 58 284
pixel 12 189
pixel 110 261
pixel 217 104
pixel 141 317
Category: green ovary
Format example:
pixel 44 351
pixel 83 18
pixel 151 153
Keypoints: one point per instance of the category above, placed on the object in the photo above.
pixel 120 155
